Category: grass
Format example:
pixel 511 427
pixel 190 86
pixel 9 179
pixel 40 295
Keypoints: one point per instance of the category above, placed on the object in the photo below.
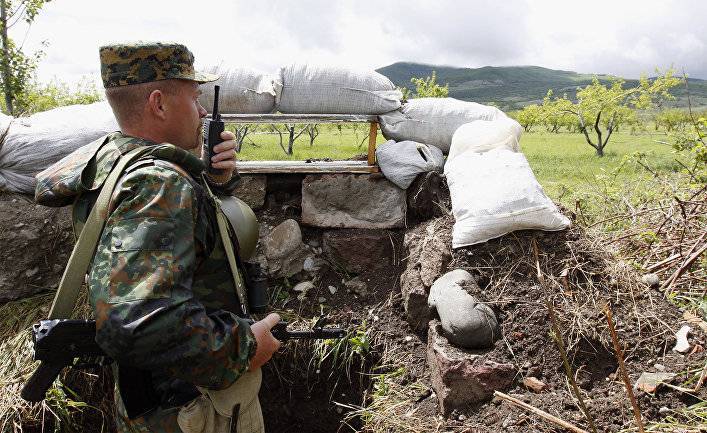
pixel 564 164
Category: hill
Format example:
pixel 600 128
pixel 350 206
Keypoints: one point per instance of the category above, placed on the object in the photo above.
pixel 512 87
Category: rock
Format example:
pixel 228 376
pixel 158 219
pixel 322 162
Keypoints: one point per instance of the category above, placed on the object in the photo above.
pixel 332 289
pixel 461 378
pixel 358 251
pixel 322 300
pixel 663 410
pixel 431 252
pixel 352 201
pixel 534 384
pixel 251 189
pixel 284 250
pixel 466 322
pixel 650 280
pixel 415 296
pixel 659 367
pixel 648 382
pixel 303 287
pixel 357 286
pixel 682 345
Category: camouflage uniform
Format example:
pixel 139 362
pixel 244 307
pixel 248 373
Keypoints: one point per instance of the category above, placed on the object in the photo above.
pixel 159 283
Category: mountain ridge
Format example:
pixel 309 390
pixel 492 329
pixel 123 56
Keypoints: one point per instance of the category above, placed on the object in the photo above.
pixel 513 87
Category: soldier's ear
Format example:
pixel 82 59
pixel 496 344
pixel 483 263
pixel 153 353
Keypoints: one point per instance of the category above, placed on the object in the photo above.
pixel 156 104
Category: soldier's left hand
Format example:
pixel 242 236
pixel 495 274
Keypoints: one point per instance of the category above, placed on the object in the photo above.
pixel 225 154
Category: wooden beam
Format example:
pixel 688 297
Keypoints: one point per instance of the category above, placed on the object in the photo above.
pixel 372 134
pixel 298 118
pixel 265 167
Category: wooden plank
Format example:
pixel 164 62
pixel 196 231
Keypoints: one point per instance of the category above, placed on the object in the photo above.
pixel 298 118
pixel 264 167
pixel 372 134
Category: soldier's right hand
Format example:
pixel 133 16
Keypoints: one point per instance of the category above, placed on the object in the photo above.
pixel 267 344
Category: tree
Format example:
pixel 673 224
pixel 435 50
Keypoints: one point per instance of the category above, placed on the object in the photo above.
pixel 529 116
pixel 601 108
pixel 428 88
pixel 17 68
pixel 554 113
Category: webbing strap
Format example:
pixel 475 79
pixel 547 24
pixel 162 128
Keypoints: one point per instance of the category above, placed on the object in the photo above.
pixel 68 291
pixel 230 252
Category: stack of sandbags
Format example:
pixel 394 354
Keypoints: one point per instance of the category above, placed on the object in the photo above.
pixel 242 91
pixel 433 121
pixel 33 143
pixel 331 90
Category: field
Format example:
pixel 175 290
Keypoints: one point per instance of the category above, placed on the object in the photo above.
pixel 563 163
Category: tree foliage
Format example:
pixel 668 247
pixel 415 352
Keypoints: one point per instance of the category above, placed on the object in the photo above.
pixel 17 68
pixel 602 108
pixel 529 116
pixel 428 88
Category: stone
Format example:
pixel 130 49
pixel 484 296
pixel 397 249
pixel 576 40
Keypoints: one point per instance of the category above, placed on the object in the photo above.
pixel 357 286
pixel 357 250
pixel 361 201
pixel 415 296
pixel 534 384
pixel 649 382
pixel 681 343
pixel 284 250
pixel 461 378
pixel 303 287
pixel 251 189
pixel 466 322
pixel 332 289
pixel 651 280
pixel 663 410
pixel 429 251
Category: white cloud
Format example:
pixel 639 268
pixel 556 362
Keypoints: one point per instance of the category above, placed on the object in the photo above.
pixel 603 36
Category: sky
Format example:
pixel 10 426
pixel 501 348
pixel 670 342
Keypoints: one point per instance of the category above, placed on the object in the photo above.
pixel 620 37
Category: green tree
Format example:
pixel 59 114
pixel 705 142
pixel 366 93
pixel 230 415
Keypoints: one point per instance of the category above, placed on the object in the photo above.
pixel 601 109
pixel 554 113
pixel 428 88
pixel 42 97
pixel 17 68
pixel 529 116
pixel 672 119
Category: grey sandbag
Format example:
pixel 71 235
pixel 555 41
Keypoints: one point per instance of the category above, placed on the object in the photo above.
pixel 34 143
pixel 242 91
pixel 402 161
pixel 465 321
pixel 332 90
pixel 433 121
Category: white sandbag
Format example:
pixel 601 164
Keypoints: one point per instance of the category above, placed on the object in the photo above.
pixel 34 143
pixel 433 120
pixel 402 161
pixel 495 193
pixel 331 90
pixel 242 91
pixel 485 135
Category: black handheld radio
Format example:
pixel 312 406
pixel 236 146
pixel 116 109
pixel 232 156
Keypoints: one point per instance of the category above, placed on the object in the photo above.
pixel 212 134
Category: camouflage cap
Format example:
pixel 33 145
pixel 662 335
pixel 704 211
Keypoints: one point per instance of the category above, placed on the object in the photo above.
pixel 143 62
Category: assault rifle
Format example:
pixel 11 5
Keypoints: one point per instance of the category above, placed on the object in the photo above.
pixel 58 343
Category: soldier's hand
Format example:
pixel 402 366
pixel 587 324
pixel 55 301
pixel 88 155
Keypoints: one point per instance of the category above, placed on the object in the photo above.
pixel 267 344
pixel 225 156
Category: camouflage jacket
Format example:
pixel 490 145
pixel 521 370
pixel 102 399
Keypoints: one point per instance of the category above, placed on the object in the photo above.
pixel 159 282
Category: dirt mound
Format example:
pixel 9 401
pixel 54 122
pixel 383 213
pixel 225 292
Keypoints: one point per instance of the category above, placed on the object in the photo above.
pixel 36 244
pixel 521 272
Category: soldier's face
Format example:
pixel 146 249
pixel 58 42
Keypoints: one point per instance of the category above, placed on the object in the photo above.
pixel 185 116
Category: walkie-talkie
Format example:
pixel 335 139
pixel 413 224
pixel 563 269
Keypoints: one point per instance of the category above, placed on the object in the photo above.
pixel 212 134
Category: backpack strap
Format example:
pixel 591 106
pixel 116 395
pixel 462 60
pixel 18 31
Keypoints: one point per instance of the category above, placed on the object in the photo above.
pixel 68 291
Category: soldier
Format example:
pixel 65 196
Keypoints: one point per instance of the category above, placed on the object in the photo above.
pixel 159 283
